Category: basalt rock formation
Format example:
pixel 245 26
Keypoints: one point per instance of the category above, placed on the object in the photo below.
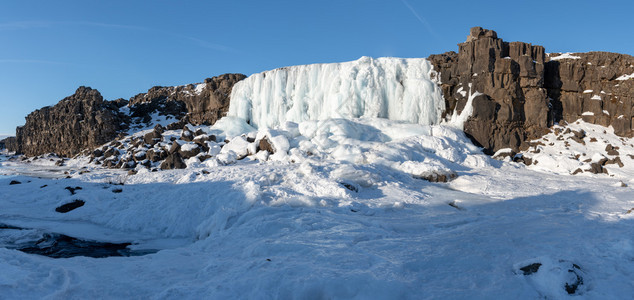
pixel 83 120
pixel 594 86
pixel 513 105
pixel 524 91
pixel 10 143
pixel 86 121
pixel 204 103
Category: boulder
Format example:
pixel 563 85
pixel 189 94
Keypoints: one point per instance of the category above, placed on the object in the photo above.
pixel 189 150
pixel 173 161
pixel 265 145
pixel 155 135
pixel 187 135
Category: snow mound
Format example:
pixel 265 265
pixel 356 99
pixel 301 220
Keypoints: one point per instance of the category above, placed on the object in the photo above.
pixel 392 88
pixel 566 55
pixel 625 77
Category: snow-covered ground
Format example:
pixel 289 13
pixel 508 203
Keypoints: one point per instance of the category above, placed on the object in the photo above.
pixel 328 227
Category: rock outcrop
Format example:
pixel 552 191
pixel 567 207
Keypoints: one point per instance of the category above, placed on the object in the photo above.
pixel 86 121
pixel 514 103
pixel 203 103
pixel 593 86
pixel 10 143
pixel 83 120
pixel 524 91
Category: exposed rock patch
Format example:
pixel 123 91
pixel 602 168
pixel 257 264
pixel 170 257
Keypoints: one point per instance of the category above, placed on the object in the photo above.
pixel 69 206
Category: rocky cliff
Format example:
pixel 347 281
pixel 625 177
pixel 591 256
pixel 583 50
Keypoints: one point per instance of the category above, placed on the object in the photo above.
pixel 594 86
pixel 85 120
pixel 203 103
pixel 524 91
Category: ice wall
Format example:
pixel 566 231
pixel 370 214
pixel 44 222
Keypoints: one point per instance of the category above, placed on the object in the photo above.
pixel 392 88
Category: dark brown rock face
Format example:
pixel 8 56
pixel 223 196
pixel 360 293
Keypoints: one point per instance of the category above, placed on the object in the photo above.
pixel 204 103
pixel 83 120
pixel 10 143
pixel 524 91
pixel 593 86
pixel 513 105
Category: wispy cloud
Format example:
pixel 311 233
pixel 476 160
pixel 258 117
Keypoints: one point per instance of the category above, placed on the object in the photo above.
pixel 23 25
pixel 421 19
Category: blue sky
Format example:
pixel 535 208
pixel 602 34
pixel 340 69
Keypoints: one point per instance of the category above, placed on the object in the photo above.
pixel 121 48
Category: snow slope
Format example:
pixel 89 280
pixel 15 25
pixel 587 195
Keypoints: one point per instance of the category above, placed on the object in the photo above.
pixel 392 88
pixel 276 229
pixel 339 213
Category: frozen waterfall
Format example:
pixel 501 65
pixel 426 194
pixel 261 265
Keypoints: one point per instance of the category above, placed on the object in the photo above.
pixel 392 88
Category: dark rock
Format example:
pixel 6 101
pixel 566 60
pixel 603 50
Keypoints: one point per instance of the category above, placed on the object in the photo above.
pixel 205 107
pixel 69 206
pixel 502 155
pixel 350 186
pixel 11 144
pixel 154 136
pixel 520 158
pixel 437 177
pixel 140 156
pixel 611 150
pixel 266 145
pixel 616 160
pixel 513 107
pixel 72 189
pixel 175 148
pixel 524 92
pixel 173 161
pixel 83 120
pixel 187 154
pixel 97 153
pixel 530 269
pixel 14 182
pixel 595 168
pixel 178 124
pixel 201 141
pixel 116 191
pixel 156 155
pixel 187 135
pixel 111 152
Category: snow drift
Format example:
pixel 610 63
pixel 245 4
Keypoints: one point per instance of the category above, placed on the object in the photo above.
pixel 392 88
